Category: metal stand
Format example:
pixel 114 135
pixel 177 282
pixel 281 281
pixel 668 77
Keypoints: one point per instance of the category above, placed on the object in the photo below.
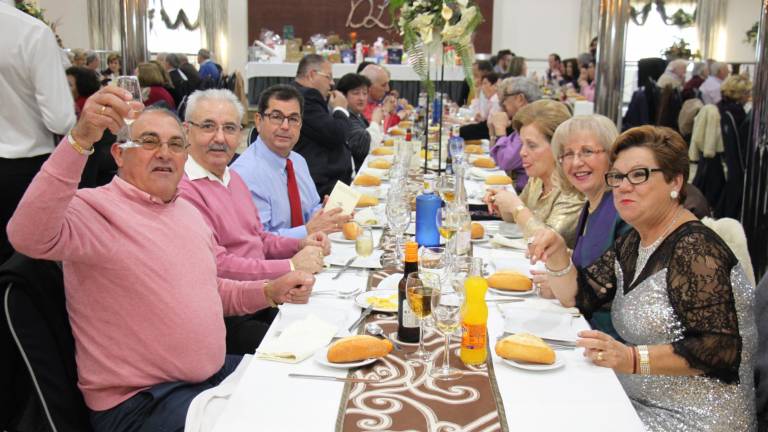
pixel 439 84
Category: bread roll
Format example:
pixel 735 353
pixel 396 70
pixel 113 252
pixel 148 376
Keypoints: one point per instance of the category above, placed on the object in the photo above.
pixel 350 230
pixel 484 162
pixel 525 347
pixel 380 164
pixel 405 124
pixel 510 281
pixel 477 230
pixel 383 151
pixel 367 180
pixel 356 348
pixel 473 149
pixel 397 131
pixel 498 179
pixel 367 201
pixel 388 142
pixel 473 142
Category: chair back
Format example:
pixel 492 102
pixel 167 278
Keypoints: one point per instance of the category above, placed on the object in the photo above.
pixel 732 233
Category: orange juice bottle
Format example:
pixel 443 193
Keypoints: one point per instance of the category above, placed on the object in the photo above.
pixel 474 317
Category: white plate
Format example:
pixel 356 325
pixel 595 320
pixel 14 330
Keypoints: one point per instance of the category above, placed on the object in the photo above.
pixel 322 358
pixel 510 230
pixel 362 299
pixel 338 237
pixel 559 362
pixel 480 240
pixel 510 293
pixel 390 282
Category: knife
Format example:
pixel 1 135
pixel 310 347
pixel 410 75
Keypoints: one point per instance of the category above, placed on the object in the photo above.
pixel 562 342
pixel 333 378
pixel 345 268
pixel 367 311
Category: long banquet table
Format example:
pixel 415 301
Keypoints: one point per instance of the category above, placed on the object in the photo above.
pixel 577 397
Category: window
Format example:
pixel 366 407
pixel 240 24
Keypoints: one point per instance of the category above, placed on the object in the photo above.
pixel 181 40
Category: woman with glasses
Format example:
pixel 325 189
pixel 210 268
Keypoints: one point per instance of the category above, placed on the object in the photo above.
pixel 681 300
pixel 543 201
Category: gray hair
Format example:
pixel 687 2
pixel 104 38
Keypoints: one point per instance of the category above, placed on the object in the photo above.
pixel 698 68
pixel 599 126
pixel 715 67
pixel 671 66
pixel 309 62
pixel 90 56
pixel 521 85
pixel 221 95
pixel 173 60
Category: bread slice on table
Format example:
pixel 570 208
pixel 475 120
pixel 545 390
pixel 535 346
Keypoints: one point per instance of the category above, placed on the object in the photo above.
pixel 508 280
pixel 356 348
pixel 498 179
pixel 367 180
pixel 525 347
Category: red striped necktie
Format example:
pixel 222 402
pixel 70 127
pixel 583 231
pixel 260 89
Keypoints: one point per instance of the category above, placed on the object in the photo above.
pixel 293 196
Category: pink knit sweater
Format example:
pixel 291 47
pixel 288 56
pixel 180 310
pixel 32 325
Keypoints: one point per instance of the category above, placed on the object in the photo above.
pixel 144 301
pixel 244 250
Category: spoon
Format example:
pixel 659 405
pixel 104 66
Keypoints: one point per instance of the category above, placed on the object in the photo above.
pixel 376 330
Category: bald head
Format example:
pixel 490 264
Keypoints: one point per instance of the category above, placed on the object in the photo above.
pixel 379 82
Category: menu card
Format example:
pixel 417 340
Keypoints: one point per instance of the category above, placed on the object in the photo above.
pixel 343 196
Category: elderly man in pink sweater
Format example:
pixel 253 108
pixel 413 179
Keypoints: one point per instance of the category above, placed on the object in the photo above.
pixel 144 300
pixel 244 250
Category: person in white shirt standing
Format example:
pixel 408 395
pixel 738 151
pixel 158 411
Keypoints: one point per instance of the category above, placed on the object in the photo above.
pixel 710 88
pixel 36 105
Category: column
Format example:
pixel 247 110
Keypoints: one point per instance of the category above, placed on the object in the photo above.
pixel 754 211
pixel 614 16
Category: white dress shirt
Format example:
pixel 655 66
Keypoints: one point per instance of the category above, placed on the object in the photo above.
pixel 710 90
pixel 36 98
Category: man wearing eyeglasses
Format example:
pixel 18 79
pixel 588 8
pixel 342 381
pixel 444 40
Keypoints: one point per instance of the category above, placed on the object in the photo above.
pixel 278 177
pixel 323 139
pixel 143 297
pixel 244 250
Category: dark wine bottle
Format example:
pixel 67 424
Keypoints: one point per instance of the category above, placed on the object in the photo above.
pixel 407 322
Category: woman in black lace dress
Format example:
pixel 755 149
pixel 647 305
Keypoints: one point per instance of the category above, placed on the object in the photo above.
pixel 680 298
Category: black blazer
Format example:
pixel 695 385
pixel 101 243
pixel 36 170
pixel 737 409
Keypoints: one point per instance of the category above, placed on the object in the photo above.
pixel 323 142
pixel 180 86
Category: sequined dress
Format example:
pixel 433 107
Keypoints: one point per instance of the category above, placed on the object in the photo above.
pixel 692 294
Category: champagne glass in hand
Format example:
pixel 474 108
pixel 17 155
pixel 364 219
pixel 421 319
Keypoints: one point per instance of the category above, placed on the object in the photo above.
pixel 419 288
pixel 131 85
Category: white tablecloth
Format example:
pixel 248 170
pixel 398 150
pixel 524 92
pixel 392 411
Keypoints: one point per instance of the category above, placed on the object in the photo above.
pixel 399 72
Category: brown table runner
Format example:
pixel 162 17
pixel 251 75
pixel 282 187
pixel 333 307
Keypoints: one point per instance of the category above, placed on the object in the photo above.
pixel 407 398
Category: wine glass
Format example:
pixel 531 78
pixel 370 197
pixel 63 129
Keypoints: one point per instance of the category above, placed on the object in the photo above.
pixel 364 243
pixel 419 288
pixel 398 218
pixel 446 186
pixel 130 84
pixel 446 312
pixel 449 220
pixel 433 260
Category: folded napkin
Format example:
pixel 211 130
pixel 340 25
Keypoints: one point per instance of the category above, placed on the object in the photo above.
pixel 475 190
pixel 482 174
pixel 298 341
pixel 340 256
pixel 366 215
pixel 553 322
pixel 500 240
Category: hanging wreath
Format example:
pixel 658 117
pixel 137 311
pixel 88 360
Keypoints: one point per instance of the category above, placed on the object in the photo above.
pixel 181 19
pixel 680 18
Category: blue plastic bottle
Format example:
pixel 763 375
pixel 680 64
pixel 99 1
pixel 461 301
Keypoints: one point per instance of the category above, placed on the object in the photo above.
pixel 427 205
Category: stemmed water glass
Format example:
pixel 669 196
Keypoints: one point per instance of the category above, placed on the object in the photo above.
pixel 419 288
pixel 446 312
pixel 398 218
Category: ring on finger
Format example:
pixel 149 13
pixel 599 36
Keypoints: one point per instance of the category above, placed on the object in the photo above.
pixel 600 356
pixel 103 108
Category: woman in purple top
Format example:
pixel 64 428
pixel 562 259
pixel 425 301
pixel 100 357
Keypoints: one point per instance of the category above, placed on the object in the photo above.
pixel 581 145
pixel 514 93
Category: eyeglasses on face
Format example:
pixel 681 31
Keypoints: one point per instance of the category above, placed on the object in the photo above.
pixel 321 73
pixel 276 118
pixel 636 176
pixel 151 143
pixel 209 127
pixel 583 154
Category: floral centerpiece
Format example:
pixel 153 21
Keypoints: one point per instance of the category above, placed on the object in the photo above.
pixel 428 25
pixel 31 9
pixel 680 50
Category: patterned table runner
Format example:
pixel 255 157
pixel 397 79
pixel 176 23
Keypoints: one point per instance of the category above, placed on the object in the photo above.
pixel 407 398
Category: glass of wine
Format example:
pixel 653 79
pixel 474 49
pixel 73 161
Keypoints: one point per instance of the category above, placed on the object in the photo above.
pixel 364 243
pixel 449 220
pixel 446 186
pixel 130 84
pixel 419 288
pixel 446 312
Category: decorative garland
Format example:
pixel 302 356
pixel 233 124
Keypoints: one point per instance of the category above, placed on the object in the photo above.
pixel 680 18
pixel 752 35
pixel 181 18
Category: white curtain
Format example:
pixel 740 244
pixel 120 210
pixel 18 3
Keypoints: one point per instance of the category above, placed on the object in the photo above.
pixel 589 15
pixel 104 25
pixel 710 24
pixel 213 26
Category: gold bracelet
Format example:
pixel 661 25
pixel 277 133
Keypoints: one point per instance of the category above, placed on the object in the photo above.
pixel 77 146
pixel 645 359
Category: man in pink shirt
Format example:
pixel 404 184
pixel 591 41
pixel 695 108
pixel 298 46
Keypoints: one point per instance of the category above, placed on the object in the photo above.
pixel 144 301
pixel 378 93
pixel 244 250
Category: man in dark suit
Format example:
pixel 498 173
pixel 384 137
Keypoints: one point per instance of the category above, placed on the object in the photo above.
pixel 178 78
pixel 323 139
pixel 193 77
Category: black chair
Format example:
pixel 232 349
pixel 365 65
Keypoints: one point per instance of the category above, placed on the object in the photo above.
pixel 41 361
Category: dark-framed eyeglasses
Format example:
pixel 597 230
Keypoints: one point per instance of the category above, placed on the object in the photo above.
pixel 152 143
pixel 276 118
pixel 210 127
pixel 583 154
pixel 636 176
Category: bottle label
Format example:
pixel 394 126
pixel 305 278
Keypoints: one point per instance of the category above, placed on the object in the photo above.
pixel 473 336
pixel 409 318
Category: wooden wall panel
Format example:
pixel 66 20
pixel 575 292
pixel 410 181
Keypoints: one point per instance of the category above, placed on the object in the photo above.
pixel 310 17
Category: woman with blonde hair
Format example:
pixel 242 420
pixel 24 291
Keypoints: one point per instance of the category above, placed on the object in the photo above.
pixel 151 82
pixel 518 67
pixel 544 201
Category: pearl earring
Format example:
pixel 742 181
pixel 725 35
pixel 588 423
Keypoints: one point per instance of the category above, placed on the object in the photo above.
pixel 674 194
